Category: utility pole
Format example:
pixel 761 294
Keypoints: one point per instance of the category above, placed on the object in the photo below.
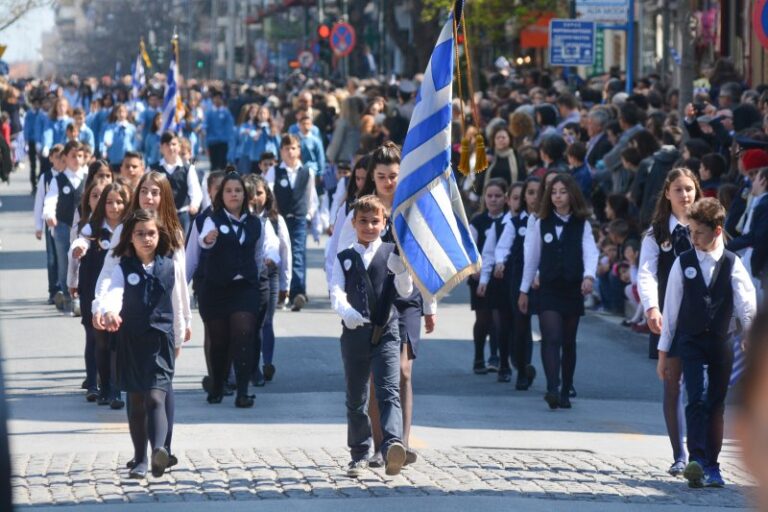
pixel 686 74
pixel 230 38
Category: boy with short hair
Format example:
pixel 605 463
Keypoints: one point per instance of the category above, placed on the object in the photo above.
pixel 132 169
pixel 43 184
pixel 365 279
pixel 577 156
pixel 707 286
pixel 267 161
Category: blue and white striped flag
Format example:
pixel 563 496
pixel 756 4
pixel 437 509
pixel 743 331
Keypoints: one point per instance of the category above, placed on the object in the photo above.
pixel 430 224
pixel 139 78
pixel 172 99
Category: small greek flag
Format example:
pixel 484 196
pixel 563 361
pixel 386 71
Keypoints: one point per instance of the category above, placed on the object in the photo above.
pixel 139 78
pixel 430 224
pixel 172 106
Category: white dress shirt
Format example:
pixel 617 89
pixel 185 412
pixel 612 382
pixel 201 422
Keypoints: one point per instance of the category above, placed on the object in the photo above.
pixel 744 295
pixel 532 250
pixel 194 191
pixel 42 191
pixel 648 269
pixel 83 240
pixel 339 301
pixel 52 196
pixel 292 172
pixel 112 302
pixel 488 250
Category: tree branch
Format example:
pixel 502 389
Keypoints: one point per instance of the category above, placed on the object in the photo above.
pixel 15 9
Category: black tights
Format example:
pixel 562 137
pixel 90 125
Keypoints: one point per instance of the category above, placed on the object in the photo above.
pixel 521 339
pixel 104 363
pixel 502 323
pixel 558 348
pixel 147 421
pixel 232 340
pixel 484 328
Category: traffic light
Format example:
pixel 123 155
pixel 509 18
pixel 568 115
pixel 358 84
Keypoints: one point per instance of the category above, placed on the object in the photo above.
pixel 323 31
pixel 200 64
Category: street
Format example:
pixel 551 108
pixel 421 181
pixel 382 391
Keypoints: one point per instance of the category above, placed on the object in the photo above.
pixel 481 443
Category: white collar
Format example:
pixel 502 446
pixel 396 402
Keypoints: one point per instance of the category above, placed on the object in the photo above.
pixel 179 163
pixel 290 169
pixel 105 225
pixel 757 199
pixel 673 222
pixel 372 247
pixel 232 217
pixel 715 254
pixel 78 173
pixel 564 218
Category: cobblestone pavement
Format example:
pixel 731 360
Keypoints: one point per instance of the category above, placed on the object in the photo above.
pixel 222 475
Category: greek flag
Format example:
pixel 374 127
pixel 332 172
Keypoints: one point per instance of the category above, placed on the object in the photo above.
pixel 172 100
pixel 430 224
pixel 139 78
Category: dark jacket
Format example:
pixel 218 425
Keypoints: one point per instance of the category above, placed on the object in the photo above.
pixel 663 162
pixel 757 238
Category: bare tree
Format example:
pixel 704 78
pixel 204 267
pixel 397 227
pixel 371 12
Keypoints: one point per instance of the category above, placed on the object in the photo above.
pixel 12 10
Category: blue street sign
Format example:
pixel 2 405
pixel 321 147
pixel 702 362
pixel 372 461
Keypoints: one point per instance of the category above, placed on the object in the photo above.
pixel 571 42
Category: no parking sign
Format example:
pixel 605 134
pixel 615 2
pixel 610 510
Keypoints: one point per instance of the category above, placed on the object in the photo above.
pixel 343 39
pixel 760 21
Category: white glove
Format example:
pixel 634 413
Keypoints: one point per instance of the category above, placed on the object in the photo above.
pixel 353 319
pixel 44 152
pixel 395 264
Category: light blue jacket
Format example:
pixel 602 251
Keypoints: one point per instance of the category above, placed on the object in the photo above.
pixel 118 139
pixel 219 125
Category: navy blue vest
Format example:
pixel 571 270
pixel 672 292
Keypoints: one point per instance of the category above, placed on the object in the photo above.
pixel 291 201
pixel 91 264
pixel 481 222
pixel 363 286
pixel 47 179
pixel 147 301
pixel 705 310
pixel 69 199
pixel 201 262
pixel 228 258
pixel 178 180
pixel 516 258
pixel 667 257
pixel 561 258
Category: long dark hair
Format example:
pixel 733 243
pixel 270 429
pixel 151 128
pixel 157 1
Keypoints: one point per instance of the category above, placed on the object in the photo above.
pixel 524 192
pixel 270 205
pixel 85 205
pixel 579 209
pixel 500 183
pixel 100 212
pixel 386 154
pixel 352 191
pixel 218 201
pixel 125 247
pixel 94 168
pixel 660 222
pixel 167 211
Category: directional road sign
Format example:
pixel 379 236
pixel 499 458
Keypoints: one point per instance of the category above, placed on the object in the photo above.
pixel 571 42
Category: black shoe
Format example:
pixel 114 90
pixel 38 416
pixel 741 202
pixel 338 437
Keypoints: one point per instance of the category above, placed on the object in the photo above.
pixel 138 471
pixel 244 401
pixel 522 383
pixel 505 375
pixel 207 384
pixel 130 464
pixel 229 389
pixel 493 364
pixel 172 461
pixel 103 400
pixel 92 394
pixel 214 399
pixel 258 380
pixel 572 392
pixel 479 368
pixel 565 401
pixel 410 457
pixel 552 400
pixel 116 403
pixel 269 372
pixel 159 461
pixel 84 385
pixel 530 372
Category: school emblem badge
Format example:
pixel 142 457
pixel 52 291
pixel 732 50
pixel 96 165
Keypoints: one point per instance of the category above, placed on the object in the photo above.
pixel 224 229
pixel 66 189
pixel 283 182
pixel 133 279
pixel 347 264
pixel 548 237
pixel 666 246
pixel 104 244
pixel 690 272
pixel 521 231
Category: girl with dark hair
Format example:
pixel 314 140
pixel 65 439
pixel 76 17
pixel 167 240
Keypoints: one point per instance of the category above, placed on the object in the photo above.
pixel 667 238
pixel 145 306
pixel 509 261
pixel 229 299
pixel 481 226
pixel 277 258
pixel 562 250
pixel 546 122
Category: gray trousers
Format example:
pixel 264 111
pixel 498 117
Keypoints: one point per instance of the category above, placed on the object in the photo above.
pixel 360 359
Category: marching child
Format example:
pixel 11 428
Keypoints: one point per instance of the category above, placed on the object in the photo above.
pixel 357 285
pixel 706 287
pixel 144 305
pixel 667 238
pixel 564 252
pixel 43 185
pixel 494 201
pixel 508 259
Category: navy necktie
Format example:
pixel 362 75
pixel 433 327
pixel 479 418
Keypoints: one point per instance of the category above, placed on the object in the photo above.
pixel 681 239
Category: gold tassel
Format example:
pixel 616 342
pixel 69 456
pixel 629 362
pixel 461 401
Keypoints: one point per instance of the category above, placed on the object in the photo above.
pixel 481 159
pixel 464 157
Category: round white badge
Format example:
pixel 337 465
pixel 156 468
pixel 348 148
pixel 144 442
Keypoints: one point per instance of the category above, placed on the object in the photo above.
pixel 283 182
pixel 133 279
pixel 548 237
pixel 104 244
pixel 66 190
pixel 690 272
pixel 666 246
pixel 521 231
pixel 224 229
pixel 347 264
